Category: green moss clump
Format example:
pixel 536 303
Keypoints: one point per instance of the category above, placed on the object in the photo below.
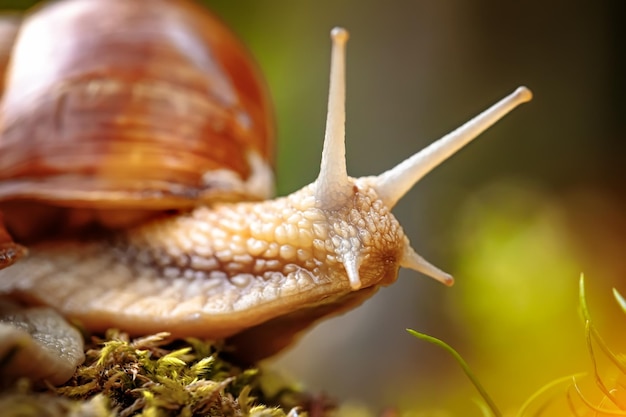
pixel 154 376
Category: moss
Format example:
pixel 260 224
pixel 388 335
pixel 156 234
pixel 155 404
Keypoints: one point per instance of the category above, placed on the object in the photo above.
pixel 155 376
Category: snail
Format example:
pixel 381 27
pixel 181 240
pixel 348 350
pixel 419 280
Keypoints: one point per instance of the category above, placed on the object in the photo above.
pixel 106 144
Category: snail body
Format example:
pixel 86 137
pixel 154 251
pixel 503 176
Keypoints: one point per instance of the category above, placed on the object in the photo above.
pixel 251 270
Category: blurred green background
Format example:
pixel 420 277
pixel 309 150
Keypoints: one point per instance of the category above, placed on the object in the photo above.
pixel 516 216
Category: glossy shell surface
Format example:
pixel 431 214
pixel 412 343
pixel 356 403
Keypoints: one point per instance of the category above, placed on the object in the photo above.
pixel 149 104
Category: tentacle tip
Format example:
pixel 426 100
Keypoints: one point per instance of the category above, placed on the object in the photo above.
pixel 339 35
pixel 354 278
pixel 351 264
pixel 438 275
pixel 355 281
pixel 523 94
pixel 448 280
pixel 355 285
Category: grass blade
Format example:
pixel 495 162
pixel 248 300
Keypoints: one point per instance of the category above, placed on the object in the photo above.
pixel 483 393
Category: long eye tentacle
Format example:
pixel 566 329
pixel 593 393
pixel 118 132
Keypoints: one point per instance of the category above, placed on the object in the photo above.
pixel 393 184
pixel 333 185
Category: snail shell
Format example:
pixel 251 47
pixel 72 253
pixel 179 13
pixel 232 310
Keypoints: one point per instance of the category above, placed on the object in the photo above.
pixel 253 272
pixel 147 104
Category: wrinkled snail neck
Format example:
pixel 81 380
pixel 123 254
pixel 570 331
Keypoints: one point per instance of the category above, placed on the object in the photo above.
pixel 337 226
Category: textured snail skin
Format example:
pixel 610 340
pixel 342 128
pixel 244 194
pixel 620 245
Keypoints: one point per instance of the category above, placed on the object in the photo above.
pixel 38 343
pixel 215 272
